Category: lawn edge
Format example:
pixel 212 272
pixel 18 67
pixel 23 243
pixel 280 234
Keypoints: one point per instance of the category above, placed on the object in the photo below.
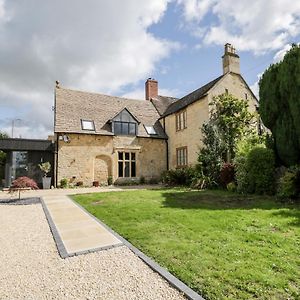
pixel 173 281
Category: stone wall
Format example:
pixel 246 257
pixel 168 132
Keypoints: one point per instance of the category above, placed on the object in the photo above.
pixel 88 157
pixel 197 114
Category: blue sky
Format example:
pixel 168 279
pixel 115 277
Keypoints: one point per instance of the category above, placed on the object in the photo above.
pixel 112 47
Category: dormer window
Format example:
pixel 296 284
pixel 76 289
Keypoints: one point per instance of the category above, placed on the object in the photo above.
pixel 88 125
pixel 124 123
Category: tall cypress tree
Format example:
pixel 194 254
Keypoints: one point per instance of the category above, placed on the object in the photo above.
pixel 279 93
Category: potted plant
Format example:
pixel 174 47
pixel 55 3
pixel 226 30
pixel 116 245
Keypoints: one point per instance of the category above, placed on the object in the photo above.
pixel 46 168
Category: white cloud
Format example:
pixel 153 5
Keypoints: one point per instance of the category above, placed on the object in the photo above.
pixel 195 10
pixel 96 46
pixel 279 55
pixel 255 86
pixel 258 25
pixel 2 10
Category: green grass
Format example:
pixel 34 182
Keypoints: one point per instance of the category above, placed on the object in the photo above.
pixel 222 245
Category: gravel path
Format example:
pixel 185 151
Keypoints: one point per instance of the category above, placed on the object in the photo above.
pixel 31 268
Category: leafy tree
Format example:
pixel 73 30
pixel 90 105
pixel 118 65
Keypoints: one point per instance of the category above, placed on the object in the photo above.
pixel 280 105
pixel 232 119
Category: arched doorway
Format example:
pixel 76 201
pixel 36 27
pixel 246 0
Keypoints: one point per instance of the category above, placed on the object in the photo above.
pixel 102 169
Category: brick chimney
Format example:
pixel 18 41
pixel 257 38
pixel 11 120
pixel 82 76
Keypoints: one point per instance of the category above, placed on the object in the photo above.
pixel 151 88
pixel 231 61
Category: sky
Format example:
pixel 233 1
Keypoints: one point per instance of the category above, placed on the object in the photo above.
pixel 113 46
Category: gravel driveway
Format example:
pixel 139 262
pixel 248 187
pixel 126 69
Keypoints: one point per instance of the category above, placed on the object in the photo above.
pixel 30 267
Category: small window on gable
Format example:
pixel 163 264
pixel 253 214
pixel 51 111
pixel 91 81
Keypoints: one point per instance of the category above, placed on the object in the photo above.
pixel 150 130
pixel 88 125
pixel 246 96
pixel 226 91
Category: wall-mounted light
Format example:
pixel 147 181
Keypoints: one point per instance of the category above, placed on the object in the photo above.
pixel 64 138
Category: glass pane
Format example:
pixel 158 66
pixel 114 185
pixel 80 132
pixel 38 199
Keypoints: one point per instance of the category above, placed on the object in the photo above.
pixel 120 155
pixel 125 117
pixel 132 128
pixel 125 128
pixel 87 125
pixel 20 164
pixel 133 171
pixel 127 155
pixel 127 173
pixel 150 130
pixel 132 156
pixel 120 169
pixel 117 127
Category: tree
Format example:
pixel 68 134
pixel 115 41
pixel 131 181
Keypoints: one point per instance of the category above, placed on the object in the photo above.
pixel 279 93
pixel 210 157
pixel 3 135
pixel 233 120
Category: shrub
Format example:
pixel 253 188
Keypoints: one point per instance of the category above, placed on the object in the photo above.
pixel 260 165
pixel 226 174
pixel 210 156
pixel 24 182
pixel 231 186
pixel 64 183
pixel 109 180
pixel 289 183
pixel 153 180
pixel 182 176
pixel 142 180
pixel 45 167
pixel 241 174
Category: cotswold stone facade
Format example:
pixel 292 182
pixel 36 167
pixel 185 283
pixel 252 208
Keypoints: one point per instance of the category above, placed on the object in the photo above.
pixel 103 138
pixel 90 158
pixel 198 113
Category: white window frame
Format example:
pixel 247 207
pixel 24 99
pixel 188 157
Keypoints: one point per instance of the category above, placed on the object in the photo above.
pixel 86 122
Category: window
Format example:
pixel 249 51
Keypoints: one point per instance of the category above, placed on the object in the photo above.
pixel 181 156
pixel 150 130
pixel 126 164
pixel 246 96
pixel 124 124
pixel 87 125
pixel 226 91
pixel 181 120
pixel 124 128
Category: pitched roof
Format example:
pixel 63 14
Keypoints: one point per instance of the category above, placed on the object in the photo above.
pixel 161 103
pixel 191 98
pixel 71 106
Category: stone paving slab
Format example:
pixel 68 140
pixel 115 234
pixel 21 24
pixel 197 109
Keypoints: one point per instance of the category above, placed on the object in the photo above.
pixel 77 230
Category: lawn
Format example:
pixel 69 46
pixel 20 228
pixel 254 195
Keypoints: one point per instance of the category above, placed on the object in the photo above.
pixel 222 245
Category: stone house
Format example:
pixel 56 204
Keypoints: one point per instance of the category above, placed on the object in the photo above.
pixel 100 136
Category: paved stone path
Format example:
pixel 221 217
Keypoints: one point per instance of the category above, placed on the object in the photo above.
pixel 77 230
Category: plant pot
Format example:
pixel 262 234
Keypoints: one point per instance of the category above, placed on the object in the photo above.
pixel 46 183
